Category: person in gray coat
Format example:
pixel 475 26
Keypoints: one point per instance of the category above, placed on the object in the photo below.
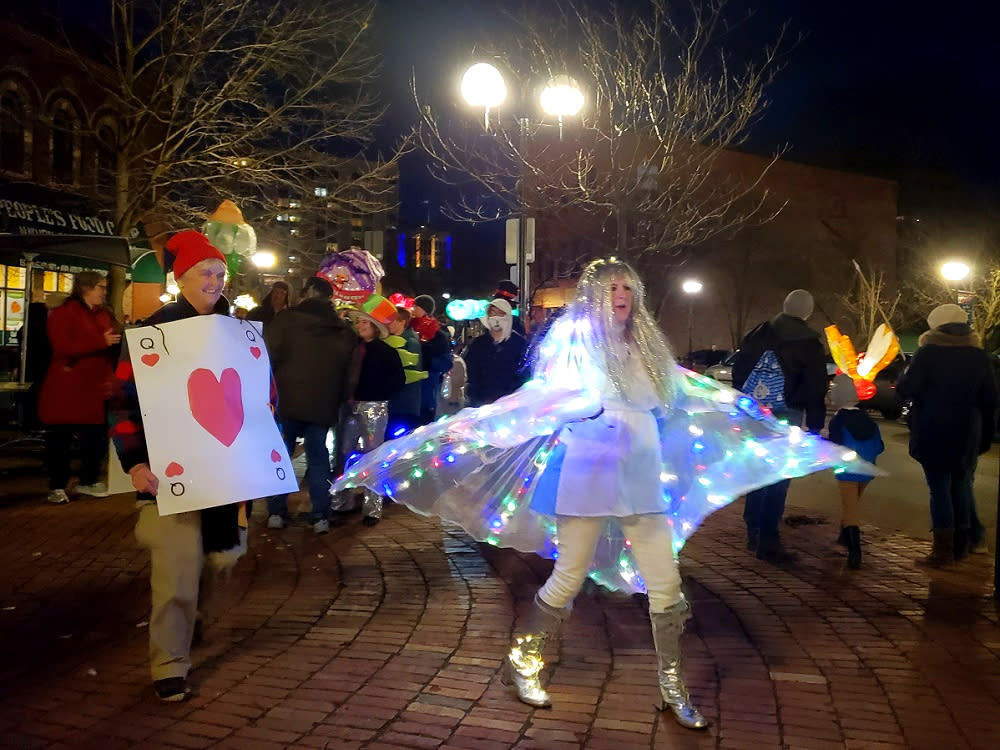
pixel 311 348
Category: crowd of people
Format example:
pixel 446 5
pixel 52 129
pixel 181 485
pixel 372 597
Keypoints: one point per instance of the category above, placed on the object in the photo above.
pixel 346 380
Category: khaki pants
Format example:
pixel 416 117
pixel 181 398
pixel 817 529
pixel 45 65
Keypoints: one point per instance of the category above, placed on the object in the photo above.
pixel 176 561
pixel 652 546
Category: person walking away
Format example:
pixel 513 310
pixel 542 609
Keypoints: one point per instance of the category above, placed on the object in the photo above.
pixel 404 407
pixel 854 429
pixel 380 376
pixel 494 362
pixel 275 302
pixel 952 420
pixel 180 545
pixel 82 335
pixel 310 347
pixel 781 364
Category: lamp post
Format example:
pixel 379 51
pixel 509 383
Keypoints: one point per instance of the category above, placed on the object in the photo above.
pixel 484 86
pixel 692 288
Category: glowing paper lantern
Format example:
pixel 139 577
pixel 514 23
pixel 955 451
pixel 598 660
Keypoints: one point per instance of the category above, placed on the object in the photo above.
pixel 881 350
pixel 354 274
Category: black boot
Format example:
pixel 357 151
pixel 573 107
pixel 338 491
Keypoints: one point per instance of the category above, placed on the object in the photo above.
pixel 961 544
pixel 770 549
pixel 853 535
pixel 842 539
pixel 943 550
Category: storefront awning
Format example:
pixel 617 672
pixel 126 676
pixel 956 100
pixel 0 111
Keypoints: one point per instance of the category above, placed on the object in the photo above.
pixel 65 249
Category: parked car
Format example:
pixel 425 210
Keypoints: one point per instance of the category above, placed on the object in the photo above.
pixel 700 360
pixel 886 401
pixel 723 372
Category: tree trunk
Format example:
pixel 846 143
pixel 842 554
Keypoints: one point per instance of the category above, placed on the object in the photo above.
pixel 116 276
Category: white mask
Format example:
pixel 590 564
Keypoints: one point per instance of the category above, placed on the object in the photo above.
pixel 495 322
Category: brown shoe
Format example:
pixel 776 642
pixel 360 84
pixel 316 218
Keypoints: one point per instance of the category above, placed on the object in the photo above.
pixel 943 549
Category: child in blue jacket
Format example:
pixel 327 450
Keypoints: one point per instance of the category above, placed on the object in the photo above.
pixel 854 429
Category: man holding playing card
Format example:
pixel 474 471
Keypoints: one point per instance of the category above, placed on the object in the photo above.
pixel 181 543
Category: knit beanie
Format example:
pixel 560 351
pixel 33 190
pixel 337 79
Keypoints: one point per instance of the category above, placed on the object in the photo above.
pixel 425 302
pixel 843 393
pixel 945 314
pixel 798 304
pixel 188 248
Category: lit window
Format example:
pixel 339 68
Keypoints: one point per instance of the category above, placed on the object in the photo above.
pixel 416 254
pixel 282 217
pixel 293 217
pixel 294 232
pixel 434 251
pixel 293 204
pixel 319 192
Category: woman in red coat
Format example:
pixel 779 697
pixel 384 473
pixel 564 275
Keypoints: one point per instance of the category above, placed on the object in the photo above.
pixel 82 333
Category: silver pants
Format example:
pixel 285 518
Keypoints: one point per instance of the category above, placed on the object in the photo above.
pixel 363 430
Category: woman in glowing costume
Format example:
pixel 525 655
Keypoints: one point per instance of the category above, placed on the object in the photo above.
pixel 608 457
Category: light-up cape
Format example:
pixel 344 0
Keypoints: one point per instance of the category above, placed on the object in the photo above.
pixel 482 468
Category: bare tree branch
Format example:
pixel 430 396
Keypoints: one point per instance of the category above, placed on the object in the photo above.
pixel 643 159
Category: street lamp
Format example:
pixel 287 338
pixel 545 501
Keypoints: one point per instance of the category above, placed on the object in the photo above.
pixel 484 86
pixel 692 288
pixel 954 270
pixel 263 259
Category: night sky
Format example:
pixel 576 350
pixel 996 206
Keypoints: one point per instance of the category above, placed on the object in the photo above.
pixel 884 87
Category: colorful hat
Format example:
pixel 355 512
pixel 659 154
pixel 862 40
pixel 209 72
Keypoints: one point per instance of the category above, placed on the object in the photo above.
pixel 189 248
pixel 377 310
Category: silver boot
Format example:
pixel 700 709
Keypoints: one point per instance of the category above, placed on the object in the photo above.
pixel 524 663
pixel 371 508
pixel 667 628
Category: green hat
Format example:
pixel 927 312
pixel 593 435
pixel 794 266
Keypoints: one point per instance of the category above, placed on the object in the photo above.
pixel 377 310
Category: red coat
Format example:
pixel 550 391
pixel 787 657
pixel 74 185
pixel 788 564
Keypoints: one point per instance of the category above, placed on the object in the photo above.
pixel 78 381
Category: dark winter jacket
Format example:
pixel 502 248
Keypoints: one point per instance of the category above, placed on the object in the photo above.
pixel 310 347
pixel 494 369
pixel 78 382
pixel 854 429
pixel 954 394
pixel 803 363
pixel 381 372
pixel 436 356
pixel 407 401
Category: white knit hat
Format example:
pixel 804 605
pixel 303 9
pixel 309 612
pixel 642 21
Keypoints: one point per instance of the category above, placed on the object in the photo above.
pixel 798 304
pixel 945 314
pixel 843 393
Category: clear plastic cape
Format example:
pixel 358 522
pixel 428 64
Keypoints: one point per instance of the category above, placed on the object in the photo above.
pixel 482 467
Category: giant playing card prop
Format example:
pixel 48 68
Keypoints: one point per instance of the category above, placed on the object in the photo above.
pixel 204 386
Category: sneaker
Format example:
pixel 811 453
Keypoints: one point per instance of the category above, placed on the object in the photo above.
pixel 275 521
pixel 172 690
pixel 321 526
pixel 58 497
pixel 97 489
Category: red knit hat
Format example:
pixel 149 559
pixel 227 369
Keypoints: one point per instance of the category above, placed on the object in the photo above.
pixel 189 248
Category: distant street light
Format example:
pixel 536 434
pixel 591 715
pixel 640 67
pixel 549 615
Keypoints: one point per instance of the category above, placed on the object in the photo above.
pixel 484 86
pixel 263 259
pixel 692 288
pixel 954 270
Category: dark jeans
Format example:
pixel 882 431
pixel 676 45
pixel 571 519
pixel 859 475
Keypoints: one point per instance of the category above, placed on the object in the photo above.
pixel 765 507
pixel 951 498
pixel 93 445
pixel 317 467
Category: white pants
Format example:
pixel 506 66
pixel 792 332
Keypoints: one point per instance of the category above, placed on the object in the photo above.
pixel 652 545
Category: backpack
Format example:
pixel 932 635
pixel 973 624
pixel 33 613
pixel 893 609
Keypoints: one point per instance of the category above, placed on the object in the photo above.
pixel 766 382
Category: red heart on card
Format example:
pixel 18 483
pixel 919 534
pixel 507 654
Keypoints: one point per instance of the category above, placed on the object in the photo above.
pixel 255 351
pixel 174 469
pixel 217 403
pixel 275 456
pixel 150 359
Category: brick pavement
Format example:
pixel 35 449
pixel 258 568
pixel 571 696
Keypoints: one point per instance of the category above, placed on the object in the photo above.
pixel 391 637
